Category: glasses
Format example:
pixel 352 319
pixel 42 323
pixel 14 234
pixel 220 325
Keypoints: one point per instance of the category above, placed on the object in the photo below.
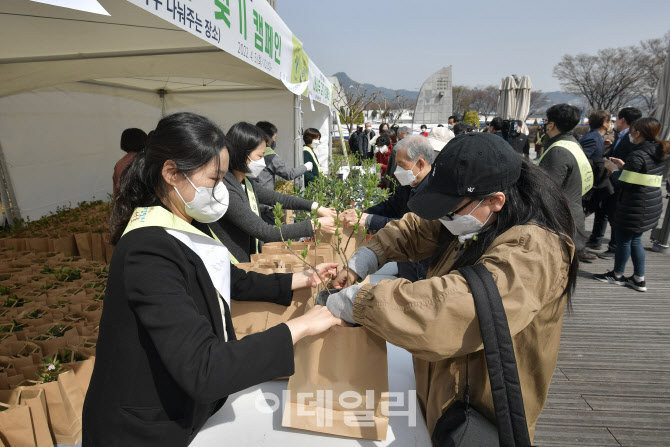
pixel 451 215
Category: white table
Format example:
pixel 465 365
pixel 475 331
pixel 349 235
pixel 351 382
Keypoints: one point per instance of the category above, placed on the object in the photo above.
pixel 247 420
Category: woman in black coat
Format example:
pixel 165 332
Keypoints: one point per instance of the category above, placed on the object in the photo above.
pixel 167 356
pixel 242 228
pixel 639 201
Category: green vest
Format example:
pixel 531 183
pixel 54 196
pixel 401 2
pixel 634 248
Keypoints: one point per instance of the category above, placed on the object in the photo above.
pixel 269 151
pixel 316 160
pixel 584 166
pixel 636 178
pixel 253 204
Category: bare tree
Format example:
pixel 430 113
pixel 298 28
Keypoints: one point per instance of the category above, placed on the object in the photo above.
pixel 355 99
pixel 401 105
pixel 485 100
pixel 608 80
pixel 385 105
pixel 461 99
pixel 537 101
pixel 652 55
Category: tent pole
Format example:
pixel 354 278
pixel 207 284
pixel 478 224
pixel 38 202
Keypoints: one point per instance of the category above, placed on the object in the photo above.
pixel 297 131
pixel 161 94
pixel 6 193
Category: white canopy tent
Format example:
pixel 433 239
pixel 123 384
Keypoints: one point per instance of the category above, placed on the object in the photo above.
pixel 71 81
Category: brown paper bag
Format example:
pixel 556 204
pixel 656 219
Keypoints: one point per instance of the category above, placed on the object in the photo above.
pixel 16 426
pixel 66 245
pixel 340 384
pixel 83 372
pixel 65 403
pixel 97 247
pixel 250 317
pixel 83 241
pixel 36 401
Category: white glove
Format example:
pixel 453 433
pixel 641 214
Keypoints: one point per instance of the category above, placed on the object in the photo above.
pixel 309 165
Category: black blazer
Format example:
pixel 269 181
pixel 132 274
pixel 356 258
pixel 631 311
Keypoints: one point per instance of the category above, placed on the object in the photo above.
pixel 162 366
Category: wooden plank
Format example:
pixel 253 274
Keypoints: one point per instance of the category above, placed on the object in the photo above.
pixel 641 438
pixel 561 436
pixel 618 376
pixel 592 418
pixel 626 403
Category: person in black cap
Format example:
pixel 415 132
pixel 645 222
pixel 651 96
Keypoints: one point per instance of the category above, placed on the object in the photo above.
pixel 482 204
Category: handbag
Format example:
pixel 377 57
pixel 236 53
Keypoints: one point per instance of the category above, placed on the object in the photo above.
pixel 461 425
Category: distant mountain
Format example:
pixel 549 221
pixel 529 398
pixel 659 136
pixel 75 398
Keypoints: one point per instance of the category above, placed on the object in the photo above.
pixel 551 97
pixel 346 82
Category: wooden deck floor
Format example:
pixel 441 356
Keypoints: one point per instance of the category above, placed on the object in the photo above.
pixel 612 383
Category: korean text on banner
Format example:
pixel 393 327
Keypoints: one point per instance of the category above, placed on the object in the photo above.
pixel 250 31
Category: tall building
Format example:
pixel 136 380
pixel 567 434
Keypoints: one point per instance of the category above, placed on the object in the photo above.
pixel 435 103
pixel 273 3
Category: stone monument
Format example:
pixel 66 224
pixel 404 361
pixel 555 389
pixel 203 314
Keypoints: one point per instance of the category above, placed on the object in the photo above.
pixel 434 105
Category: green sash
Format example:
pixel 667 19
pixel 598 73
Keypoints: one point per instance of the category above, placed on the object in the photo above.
pixel 316 160
pixel 253 204
pixel 157 216
pixel 636 178
pixel 584 166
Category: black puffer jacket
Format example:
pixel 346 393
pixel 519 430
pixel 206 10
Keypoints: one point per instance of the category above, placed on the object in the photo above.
pixel 640 207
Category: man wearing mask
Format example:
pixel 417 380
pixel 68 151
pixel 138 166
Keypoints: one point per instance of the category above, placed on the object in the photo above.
pixel 566 162
pixel 414 157
pixel 621 148
pixel 424 130
pixel 401 133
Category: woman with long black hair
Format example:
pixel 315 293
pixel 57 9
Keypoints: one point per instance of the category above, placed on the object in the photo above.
pixel 483 204
pixel 639 200
pixel 167 356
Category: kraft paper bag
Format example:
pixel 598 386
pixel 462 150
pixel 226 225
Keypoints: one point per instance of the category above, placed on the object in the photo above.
pixel 83 371
pixel 15 427
pixel 65 403
pixel 97 247
pixel 251 317
pixel 83 241
pixel 66 245
pixel 340 385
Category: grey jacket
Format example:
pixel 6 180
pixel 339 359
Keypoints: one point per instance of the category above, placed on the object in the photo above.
pixel 238 228
pixel 275 167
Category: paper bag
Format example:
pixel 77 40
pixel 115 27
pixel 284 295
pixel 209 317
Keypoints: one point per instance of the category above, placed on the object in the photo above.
pixel 83 241
pixel 250 317
pixel 340 384
pixel 16 427
pixel 65 403
pixel 31 431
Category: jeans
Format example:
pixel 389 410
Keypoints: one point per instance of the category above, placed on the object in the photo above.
pixel 629 245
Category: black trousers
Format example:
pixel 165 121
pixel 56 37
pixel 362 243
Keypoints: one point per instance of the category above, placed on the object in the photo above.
pixel 604 214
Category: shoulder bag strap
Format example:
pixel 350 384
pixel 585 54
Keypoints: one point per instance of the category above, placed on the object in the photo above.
pixel 500 358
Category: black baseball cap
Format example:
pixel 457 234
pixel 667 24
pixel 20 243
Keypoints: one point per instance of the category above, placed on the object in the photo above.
pixel 473 164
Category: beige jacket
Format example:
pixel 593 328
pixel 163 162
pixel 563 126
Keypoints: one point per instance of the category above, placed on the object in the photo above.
pixel 435 319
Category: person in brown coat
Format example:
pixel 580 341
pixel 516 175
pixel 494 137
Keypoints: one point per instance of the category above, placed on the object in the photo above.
pixel 483 204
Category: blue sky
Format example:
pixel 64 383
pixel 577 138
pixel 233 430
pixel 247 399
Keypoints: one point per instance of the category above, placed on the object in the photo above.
pixel 398 44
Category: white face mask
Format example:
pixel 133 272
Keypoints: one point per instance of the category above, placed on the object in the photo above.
pixel 208 205
pixel 630 137
pixel 384 149
pixel 405 176
pixel 314 144
pixel 256 166
pixel 465 227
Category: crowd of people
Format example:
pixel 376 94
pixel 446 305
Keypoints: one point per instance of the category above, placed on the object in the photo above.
pixel 192 201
